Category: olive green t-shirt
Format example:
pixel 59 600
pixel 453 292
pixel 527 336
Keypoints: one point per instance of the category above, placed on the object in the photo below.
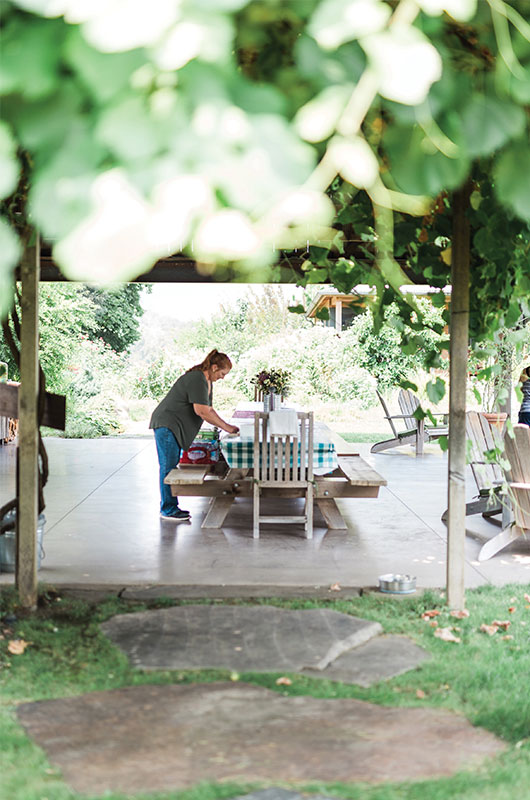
pixel 176 412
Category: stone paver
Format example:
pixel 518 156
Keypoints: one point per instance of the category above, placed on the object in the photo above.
pixel 255 639
pixel 157 738
pixel 379 659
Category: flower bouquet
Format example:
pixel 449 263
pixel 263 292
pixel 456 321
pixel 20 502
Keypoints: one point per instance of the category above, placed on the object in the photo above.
pixel 269 383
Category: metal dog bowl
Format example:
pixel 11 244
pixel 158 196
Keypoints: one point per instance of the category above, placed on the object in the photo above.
pixel 397 584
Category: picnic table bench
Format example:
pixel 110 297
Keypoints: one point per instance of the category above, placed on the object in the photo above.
pixel 353 477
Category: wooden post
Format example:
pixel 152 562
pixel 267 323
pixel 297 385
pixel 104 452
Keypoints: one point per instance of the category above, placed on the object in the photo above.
pixel 459 337
pixel 338 316
pixel 27 489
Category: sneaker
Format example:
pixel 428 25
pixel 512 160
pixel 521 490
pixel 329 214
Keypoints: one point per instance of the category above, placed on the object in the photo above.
pixel 177 515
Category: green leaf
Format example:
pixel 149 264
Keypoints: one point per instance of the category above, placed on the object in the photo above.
pixel 31 50
pixel 337 21
pixel 299 309
pixel 104 74
pixel 317 120
pixel 405 62
pixel 405 384
pixel 60 193
pixel 443 441
pixel 129 131
pixel 322 313
pixel 511 181
pixel 435 390
pixel 10 251
pixel 416 168
pixel 462 10
pixel 344 275
pixel 9 166
pixel 317 276
pixel 489 122
pixel 438 300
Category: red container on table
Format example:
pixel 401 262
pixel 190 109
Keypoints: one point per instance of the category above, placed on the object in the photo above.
pixel 203 450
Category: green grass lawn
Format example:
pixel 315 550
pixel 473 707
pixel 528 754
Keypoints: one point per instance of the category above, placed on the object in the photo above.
pixel 484 677
pixel 365 437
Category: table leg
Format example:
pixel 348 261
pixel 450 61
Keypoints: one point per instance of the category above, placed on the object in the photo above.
pixel 217 512
pixel 330 512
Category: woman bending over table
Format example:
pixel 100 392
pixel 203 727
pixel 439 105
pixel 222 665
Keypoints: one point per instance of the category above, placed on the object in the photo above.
pixel 177 419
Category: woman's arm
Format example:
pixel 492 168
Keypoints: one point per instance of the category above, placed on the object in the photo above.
pixel 208 414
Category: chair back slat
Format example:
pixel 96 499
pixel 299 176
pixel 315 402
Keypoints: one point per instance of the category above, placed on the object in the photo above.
pixel 518 454
pixel 479 433
pixel 387 413
pixel 283 459
pixel 408 403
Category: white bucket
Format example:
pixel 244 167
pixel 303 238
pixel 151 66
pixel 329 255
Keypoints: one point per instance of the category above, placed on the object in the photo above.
pixel 8 544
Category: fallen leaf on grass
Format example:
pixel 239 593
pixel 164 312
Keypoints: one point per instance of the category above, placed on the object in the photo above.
pixel 17 646
pixel 511 609
pixel 527 597
pixel 433 623
pixel 429 614
pixel 283 681
pixel 504 624
pixel 446 635
pixel 335 587
pixel 420 694
pixel 460 614
pixel 507 638
pixel 489 629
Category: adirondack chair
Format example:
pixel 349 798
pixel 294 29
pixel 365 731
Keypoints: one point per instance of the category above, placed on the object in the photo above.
pixel 416 432
pixel 517 451
pixel 487 476
pixel 283 462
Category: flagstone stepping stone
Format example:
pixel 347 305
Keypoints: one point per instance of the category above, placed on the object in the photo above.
pixel 240 638
pixel 158 738
pixel 320 643
pixel 379 659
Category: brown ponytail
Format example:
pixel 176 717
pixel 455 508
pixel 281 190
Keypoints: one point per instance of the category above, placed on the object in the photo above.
pixel 214 358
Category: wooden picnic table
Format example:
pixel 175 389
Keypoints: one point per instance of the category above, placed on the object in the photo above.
pixel 352 477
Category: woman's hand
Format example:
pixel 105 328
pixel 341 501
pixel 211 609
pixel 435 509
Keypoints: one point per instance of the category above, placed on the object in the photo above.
pixel 232 429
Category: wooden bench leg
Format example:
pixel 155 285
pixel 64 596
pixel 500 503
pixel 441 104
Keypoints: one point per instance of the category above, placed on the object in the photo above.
pixel 330 512
pixel 217 512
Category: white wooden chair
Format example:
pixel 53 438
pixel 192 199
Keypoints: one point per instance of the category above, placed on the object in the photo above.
pixel 517 451
pixel 487 476
pixel 283 462
pixel 416 432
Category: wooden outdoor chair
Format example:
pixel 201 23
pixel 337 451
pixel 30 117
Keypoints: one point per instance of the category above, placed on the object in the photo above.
pixel 517 451
pixel 258 394
pixel 487 476
pixel 416 432
pixel 283 462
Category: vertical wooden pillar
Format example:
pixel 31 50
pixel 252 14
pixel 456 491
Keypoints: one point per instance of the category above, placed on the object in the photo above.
pixel 27 488
pixel 459 338
pixel 338 316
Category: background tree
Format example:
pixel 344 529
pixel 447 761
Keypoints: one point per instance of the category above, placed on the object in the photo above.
pixel 118 313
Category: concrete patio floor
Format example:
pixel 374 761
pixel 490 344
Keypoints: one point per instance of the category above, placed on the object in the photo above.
pixel 103 527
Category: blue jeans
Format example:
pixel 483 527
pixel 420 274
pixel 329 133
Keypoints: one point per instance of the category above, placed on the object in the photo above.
pixel 168 450
pixel 524 417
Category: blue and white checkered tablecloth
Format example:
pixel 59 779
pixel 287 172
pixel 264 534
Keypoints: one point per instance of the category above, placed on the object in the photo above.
pixel 239 450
